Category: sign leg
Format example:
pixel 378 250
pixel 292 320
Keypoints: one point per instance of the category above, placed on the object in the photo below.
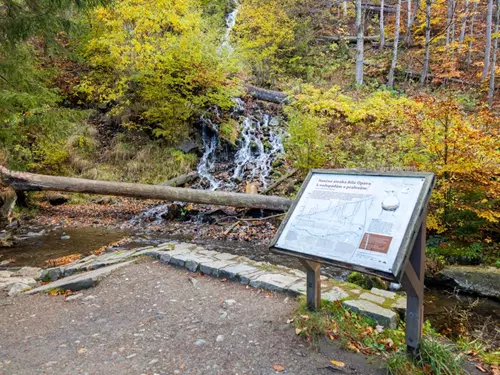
pixel 413 283
pixel 313 286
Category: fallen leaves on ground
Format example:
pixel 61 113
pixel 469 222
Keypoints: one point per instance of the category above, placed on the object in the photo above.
pixel 337 363
pixel 62 260
pixel 278 367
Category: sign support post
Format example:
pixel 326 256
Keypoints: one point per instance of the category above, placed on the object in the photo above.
pixel 313 287
pixel 413 284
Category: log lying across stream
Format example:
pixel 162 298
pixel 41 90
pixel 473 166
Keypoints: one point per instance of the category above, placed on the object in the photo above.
pixel 24 181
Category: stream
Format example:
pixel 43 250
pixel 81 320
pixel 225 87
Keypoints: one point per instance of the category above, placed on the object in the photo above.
pixel 231 168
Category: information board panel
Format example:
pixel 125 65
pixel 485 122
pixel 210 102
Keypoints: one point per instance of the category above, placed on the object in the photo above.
pixel 362 220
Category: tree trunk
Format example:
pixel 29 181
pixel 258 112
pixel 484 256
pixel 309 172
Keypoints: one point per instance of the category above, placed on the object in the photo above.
pixel 425 69
pixel 449 17
pixel 382 32
pixel 487 50
pixel 408 15
pixel 471 34
pixel 181 180
pixel 464 23
pixel 491 91
pixel 35 182
pixel 359 44
pixel 396 42
pixel 413 18
pixel 347 38
pixel 267 95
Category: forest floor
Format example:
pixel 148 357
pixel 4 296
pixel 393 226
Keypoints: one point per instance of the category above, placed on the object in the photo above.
pixel 148 318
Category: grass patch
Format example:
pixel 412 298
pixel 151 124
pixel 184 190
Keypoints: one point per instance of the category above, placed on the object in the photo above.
pixel 362 335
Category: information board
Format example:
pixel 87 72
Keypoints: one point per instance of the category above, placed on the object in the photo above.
pixel 363 220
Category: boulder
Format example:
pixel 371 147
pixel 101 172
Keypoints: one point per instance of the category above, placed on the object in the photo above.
pixel 57 199
pixel 484 281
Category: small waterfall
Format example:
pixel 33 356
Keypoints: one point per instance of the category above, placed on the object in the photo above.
pixel 260 141
pixel 260 144
pixel 206 165
pixel 230 22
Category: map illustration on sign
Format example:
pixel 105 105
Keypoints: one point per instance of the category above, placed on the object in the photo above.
pixel 352 218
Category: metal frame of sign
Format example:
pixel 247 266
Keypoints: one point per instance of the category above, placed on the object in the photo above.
pixel 409 238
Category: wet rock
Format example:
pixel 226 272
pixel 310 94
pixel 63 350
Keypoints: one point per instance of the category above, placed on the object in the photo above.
pixel 79 281
pixel 479 280
pixel 65 237
pixel 51 274
pixel 188 146
pixel 17 288
pixel 57 199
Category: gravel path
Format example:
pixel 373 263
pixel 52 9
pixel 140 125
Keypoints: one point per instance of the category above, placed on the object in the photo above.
pixel 149 318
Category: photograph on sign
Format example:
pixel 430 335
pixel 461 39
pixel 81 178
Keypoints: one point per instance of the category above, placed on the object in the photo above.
pixel 353 219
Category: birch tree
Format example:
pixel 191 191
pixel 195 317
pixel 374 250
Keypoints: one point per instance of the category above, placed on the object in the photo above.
pixel 396 42
pixel 360 44
pixel 382 31
pixel 425 69
pixel 471 34
pixel 464 23
pixel 491 91
pixel 412 21
pixel 487 50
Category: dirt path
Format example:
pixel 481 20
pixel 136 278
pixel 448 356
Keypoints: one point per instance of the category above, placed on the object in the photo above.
pixel 154 319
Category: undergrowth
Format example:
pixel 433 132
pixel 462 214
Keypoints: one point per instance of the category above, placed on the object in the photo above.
pixel 362 335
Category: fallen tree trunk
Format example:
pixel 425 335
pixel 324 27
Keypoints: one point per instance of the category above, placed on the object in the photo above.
pixel 268 95
pixel 36 182
pixel 181 180
pixel 346 38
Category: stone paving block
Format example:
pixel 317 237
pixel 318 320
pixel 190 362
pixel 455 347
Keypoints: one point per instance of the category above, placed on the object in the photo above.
pixel 213 267
pixel 334 294
pixel 384 317
pixel 400 304
pixel 298 288
pixel 372 298
pixel 225 256
pixel 183 246
pixel 190 261
pixel 80 281
pixel 205 252
pixel 383 293
pixel 151 252
pixel 247 276
pixel 297 273
pixel 233 271
pixel 273 281
pixel 165 257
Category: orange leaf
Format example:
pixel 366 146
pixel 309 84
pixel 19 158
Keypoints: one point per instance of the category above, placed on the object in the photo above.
pixel 278 368
pixel 337 363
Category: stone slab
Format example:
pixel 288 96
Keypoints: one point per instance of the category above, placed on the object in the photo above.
pixel 372 298
pixel 334 294
pixel 400 304
pixel 213 267
pixel 298 288
pixel 382 316
pixel 247 276
pixel 383 293
pixel 233 271
pixel 80 281
pixel 274 281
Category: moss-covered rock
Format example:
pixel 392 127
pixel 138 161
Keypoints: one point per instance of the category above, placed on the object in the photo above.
pixel 365 281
